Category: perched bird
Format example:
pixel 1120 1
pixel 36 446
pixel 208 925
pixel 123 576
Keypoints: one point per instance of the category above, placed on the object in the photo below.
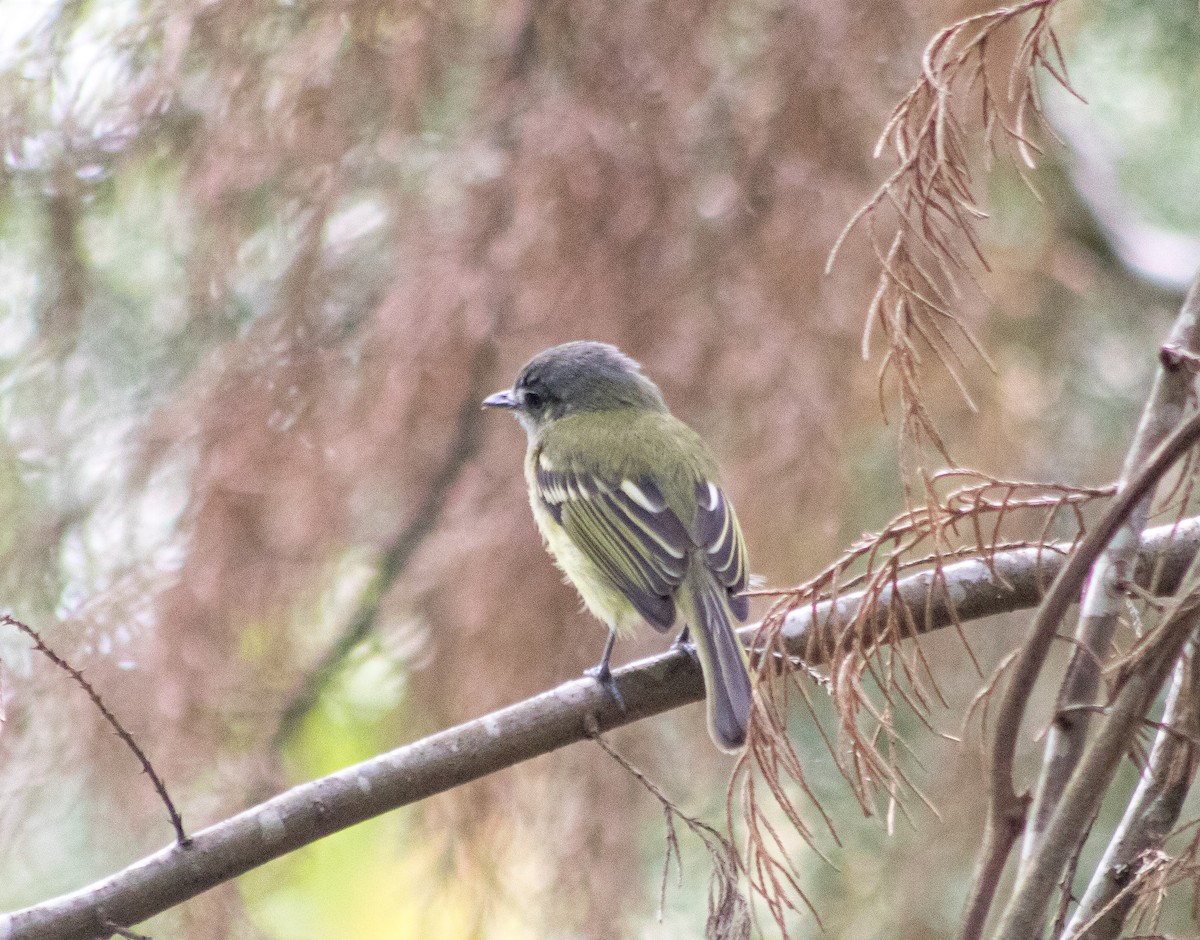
pixel 627 501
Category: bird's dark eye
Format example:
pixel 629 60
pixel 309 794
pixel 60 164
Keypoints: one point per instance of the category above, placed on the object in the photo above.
pixel 531 399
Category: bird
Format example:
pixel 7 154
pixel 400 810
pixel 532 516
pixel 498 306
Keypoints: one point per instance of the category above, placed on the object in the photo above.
pixel 627 499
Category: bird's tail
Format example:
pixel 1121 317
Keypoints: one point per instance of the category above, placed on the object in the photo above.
pixel 722 658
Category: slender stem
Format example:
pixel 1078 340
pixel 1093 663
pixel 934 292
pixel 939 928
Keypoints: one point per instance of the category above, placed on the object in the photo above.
pixel 1005 807
pixel 1152 812
pixel 1098 614
pixel 1140 682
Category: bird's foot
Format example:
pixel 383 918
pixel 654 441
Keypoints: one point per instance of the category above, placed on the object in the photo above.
pixel 683 643
pixel 604 676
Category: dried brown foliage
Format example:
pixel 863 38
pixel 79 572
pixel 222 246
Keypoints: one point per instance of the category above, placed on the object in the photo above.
pixel 872 671
pixel 923 220
pixel 876 665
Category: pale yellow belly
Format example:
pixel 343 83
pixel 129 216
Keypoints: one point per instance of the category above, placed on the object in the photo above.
pixel 605 602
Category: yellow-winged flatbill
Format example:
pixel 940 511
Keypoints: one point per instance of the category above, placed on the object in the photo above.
pixel 628 502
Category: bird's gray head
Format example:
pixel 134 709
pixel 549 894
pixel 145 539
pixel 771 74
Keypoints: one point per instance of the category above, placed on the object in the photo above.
pixel 579 376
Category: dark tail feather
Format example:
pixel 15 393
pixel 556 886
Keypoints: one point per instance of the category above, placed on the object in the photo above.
pixel 723 659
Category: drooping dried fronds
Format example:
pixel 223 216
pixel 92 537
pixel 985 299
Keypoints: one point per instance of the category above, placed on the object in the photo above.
pixel 975 520
pixel 933 241
pixel 870 671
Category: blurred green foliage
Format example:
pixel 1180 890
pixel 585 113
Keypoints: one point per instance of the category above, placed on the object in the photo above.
pixel 1136 65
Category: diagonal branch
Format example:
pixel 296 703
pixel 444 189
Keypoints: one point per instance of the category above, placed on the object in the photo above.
pixel 572 712
pixel 1151 814
pixel 398 554
pixel 1006 810
pixel 1099 612
pixel 512 69
pixel 1139 682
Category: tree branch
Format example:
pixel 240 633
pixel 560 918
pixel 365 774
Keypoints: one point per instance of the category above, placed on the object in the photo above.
pixel 972 589
pixel 1139 683
pixel 398 554
pixel 1006 810
pixel 1152 812
pixel 1102 602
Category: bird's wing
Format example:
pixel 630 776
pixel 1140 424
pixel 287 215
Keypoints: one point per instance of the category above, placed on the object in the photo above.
pixel 627 530
pixel 716 530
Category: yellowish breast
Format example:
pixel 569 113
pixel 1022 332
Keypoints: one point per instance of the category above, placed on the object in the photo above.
pixel 603 600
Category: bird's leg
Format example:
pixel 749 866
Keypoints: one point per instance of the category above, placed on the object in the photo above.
pixel 683 643
pixel 603 674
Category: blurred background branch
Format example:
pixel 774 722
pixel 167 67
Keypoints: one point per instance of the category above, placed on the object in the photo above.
pixel 397 555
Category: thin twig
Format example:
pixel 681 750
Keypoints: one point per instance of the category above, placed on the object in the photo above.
pixel 121 931
pixel 728 911
pixel 1101 606
pixel 1006 810
pixel 181 837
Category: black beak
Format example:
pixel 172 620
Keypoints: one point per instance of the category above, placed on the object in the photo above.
pixel 502 399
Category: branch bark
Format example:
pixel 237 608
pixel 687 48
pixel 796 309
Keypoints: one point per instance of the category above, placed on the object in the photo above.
pixel 1151 814
pixel 1006 809
pixel 1101 605
pixel 973 589
pixel 1140 683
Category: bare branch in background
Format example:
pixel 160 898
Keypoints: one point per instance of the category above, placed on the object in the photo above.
pixel 395 558
pixel 1139 681
pixel 1006 809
